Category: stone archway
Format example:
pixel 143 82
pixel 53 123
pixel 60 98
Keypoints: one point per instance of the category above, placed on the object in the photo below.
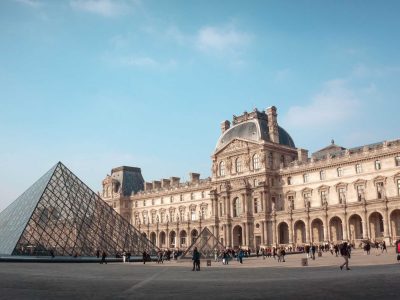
pixel 194 235
pixel 182 239
pixel 317 231
pixel 283 233
pixel 153 237
pixel 237 236
pixel 299 232
pixel 355 228
pixel 172 239
pixel 162 241
pixel 336 229
pixel 376 228
pixel 395 224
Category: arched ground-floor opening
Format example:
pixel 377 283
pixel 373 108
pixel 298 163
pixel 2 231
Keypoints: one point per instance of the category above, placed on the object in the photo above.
pixel 182 239
pixel 336 229
pixel 355 228
pixel 172 239
pixel 299 232
pixel 317 231
pixel 153 237
pixel 162 240
pixel 395 224
pixel 283 233
pixel 376 226
pixel 237 236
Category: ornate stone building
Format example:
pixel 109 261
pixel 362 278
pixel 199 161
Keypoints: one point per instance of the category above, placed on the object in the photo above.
pixel 264 191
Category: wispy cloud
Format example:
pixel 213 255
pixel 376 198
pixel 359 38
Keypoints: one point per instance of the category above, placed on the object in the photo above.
pixel 140 62
pixel 30 3
pixel 335 103
pixel 105 8
pixel 221 39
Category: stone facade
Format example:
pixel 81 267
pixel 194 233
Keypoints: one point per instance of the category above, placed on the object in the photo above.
pixel 264 191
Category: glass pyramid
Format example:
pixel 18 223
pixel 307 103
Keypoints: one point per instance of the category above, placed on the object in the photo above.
pixel 60 214
pixel 207 244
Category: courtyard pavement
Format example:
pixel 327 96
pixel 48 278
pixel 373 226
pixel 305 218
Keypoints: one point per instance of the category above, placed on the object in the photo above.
pixel 374 276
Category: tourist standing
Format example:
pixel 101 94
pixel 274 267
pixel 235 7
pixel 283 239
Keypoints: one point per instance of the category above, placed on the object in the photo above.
pixel 344 251
pixel 196 259
pixel 240 255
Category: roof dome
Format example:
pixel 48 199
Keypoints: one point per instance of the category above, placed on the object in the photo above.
pixel 253 130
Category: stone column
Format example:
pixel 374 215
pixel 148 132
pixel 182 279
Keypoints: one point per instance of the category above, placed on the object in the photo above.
pixel 244 238
pixel 244 201
pixel 291 231
pixel 274 237
pixel 364 222
pixel 386 229
pixel 248 229
pixel 262 200
pixel 263 233
pixel 326 226
pixel 308 240
pixel 229 237
pixel 345 228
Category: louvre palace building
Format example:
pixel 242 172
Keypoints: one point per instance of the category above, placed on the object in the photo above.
pixel 264 192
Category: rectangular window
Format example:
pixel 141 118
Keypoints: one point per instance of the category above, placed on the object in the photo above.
pixel 322 175
pixel 203 212
pixel 398 186
pixel 360 192
pixel 193 214
pixel 162 217
pixel 324 197
pixel 305 178
pixel 162 200
pixel 342 196
pixel 378 165
pixel 358 168
pixel 379 190
pixel 397 161
pixel 256 208
pixel 144 202
pixel 182 213
pixel 220 209
pixel 289 180
pixel 291 201
pixel 339 172
pixel 307 199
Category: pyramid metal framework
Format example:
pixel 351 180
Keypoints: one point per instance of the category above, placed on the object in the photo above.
pixel 59 214
pixel 207 244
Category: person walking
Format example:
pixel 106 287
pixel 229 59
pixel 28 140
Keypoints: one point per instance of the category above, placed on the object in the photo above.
pixel 103 258
pixel 144 254
pixel 344 251
pixel 196 259
pixel 384 246
pixel 240 255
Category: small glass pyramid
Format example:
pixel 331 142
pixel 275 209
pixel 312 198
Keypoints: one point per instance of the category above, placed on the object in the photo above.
pixel 207 244
pixel 59 214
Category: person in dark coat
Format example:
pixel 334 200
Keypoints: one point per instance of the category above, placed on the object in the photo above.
pixel 196 259
pixel 144 256
pixel 103 258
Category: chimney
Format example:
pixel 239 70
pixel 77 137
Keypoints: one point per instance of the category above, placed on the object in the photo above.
pixel 194 177
pixel 273 124
pixel 174 181
pixel 302 155
pixel 165 183
pixel 156 184
pixel 225 126
pixel 148 186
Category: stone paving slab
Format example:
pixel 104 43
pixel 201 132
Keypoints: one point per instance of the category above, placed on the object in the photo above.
pixel 371 277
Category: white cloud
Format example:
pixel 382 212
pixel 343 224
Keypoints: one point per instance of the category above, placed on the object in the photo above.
pixel 334 104
pixel 30 3
pixel 105 8
pixel 145 62
pixel 221 39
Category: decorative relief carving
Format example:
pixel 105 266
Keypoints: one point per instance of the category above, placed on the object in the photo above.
pixel 236 145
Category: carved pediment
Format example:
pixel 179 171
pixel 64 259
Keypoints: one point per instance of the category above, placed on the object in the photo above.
pixel 341 185
pixel 235 145
pixel 323 188
pixel 306 190
pixel 360 182
pixel 379 178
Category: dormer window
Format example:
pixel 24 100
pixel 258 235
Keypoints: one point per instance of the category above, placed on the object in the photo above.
pixel 397 161
pixel 358 168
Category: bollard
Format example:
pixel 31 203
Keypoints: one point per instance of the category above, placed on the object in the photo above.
pixel 304 262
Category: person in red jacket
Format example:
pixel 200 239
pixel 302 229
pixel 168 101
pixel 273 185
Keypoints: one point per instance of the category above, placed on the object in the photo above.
pixel 398 250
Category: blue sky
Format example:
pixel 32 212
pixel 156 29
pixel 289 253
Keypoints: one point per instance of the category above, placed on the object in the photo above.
pixel 99 84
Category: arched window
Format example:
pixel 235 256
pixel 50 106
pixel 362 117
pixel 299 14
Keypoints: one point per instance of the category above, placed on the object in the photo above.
pixel 238 165
pixel 222 168
pixel 237 207
pixel 256 162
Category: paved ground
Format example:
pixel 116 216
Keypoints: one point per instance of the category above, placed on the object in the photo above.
pixel 370 277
